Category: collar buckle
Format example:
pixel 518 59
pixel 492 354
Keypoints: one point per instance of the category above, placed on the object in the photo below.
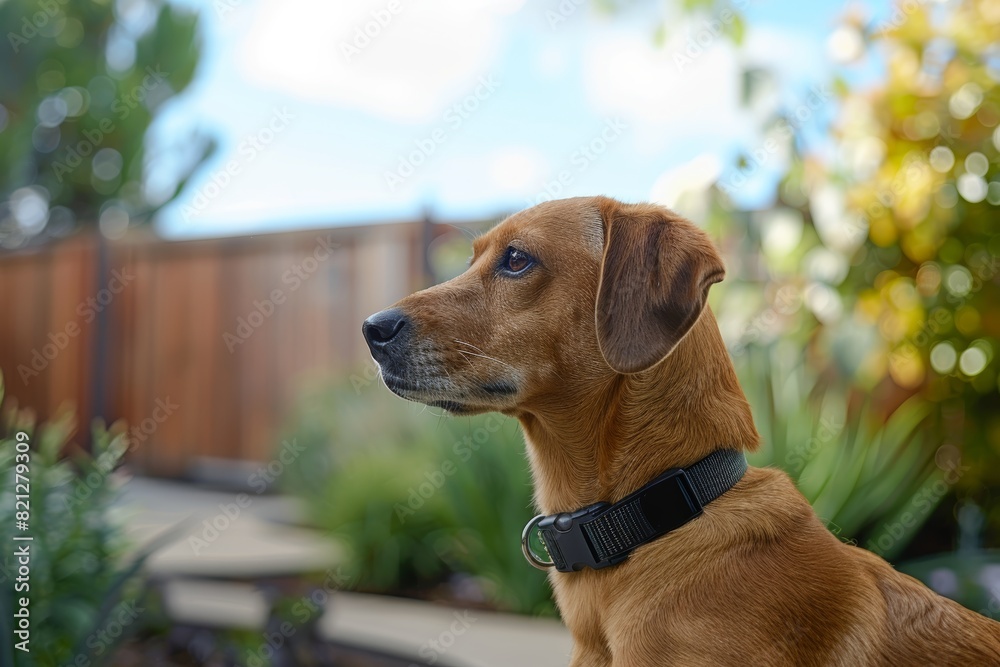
pixel 564 538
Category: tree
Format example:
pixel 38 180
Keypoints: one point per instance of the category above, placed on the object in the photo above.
pixel 80 83
pixel 880 257
pixel 921 167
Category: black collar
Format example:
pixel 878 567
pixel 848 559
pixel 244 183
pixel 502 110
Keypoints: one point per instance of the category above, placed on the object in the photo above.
pixel 604 534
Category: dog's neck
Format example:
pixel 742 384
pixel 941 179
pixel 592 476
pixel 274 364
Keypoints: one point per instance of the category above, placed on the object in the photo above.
pixel 618 435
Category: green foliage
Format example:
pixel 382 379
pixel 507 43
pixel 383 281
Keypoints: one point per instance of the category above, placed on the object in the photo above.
pixel 420 502
pixel 879 259
pixel 78 584
pixel 971 577
pixel 926 278
pixel 859 469
pixel 712 19
pixel 490 497
pixel 73 118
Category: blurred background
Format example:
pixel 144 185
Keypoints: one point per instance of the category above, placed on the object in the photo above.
pixel 201 201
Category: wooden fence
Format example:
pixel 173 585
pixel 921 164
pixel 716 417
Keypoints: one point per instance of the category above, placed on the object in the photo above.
pixel 198 345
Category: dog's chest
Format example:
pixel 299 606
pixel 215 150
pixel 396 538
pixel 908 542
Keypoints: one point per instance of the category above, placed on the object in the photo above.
pixel 578 595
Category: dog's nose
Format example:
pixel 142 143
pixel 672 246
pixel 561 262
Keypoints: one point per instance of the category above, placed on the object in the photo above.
pixel 382 328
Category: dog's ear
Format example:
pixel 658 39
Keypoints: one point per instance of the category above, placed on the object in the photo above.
pixel 655 275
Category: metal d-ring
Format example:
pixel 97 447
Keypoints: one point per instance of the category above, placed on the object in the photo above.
pixel 530 555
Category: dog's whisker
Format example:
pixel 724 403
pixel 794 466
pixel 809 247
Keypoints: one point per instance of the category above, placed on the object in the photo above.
pixel 480 354
pixel 494 359
pixel 468 356
pixel 474 347
pixel 469 234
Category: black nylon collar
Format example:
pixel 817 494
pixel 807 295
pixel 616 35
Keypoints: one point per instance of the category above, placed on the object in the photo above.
pixel 604 534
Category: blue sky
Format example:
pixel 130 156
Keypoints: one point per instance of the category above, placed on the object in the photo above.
pixel 491 104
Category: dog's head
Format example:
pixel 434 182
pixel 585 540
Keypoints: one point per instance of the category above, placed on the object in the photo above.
pixel 556 297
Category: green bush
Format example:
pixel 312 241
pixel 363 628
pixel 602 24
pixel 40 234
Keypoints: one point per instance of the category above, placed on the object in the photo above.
pixel 79 588
pixel 859 468
pixel 77 115
pixel 419 501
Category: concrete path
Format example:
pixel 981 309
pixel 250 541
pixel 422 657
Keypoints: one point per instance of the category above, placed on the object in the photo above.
pixel 228 535
pixel 453 636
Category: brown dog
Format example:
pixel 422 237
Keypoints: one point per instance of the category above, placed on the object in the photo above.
pixel 608 402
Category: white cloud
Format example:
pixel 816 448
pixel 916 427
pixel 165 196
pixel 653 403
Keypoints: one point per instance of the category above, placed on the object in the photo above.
pixel 686 88
pixel 517 170
pixel 412 64
pixel 358 117
pixel 626 74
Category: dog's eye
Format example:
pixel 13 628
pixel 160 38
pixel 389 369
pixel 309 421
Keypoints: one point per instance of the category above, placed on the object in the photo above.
pixel 516 261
